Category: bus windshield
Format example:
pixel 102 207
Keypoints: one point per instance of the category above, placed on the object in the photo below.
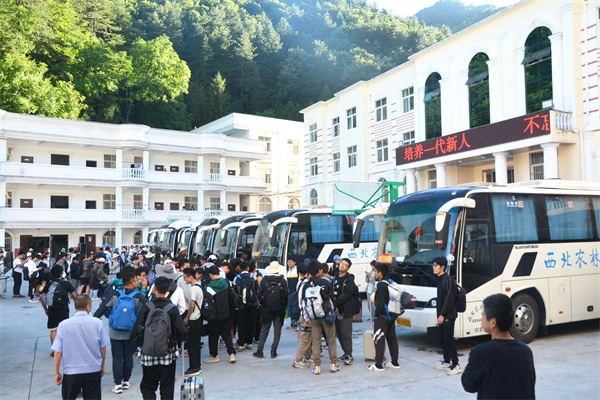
pixel 224 241
pixel 263 251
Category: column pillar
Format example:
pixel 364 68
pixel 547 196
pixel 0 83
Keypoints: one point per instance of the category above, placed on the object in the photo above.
pixel 570 30
pixel 588 157
pixel 223 200
pixel 146 162
pixel 411 184
pixel 550 160
pixel 3 237
pixel 558 91
pixel 200 170
pixel 118 237
pixel 200 202
pixel 119 201
pixel 463 91
pixel 440 174
pixel 420 115
pixel 495 92
pixel 519 82
pixel 507 98
pixel 3 207
pixel 222 165
pixel 145 232
pixel 3 159
pixel 453 87
pixel 446 104
pixel 501 167
pixel 119 162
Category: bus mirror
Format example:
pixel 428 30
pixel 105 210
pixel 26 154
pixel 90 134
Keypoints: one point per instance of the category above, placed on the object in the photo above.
pixel 356 236
pixel 442 226
pixel 272 237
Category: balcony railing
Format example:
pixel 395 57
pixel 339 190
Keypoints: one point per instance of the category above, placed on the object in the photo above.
pixel 562 120
pixel 136 174
pixel 133 215
pixel 212 178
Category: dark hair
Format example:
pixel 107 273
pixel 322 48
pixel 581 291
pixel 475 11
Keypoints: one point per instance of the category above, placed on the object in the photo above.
pixel 499 306
pixel 441 261
pixel 372 263
pixel 245 257
pixel 302 270
pixel 213 270
pixel 252 265
pixel 225 264
pixel 162 284
pixel 291 258
pixel 183 261
pixel 325 268
pixel 235 262
pixel 128 277
pixel 348 261
pixel 314 267
pixel 141 270
pixel 82 301
pixel 381 267
pixel 189 272
pixel 56 271
pixel 128 269
pixel 244 266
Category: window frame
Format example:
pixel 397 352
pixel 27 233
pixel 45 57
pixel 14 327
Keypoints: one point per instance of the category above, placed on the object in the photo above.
pixel 191 166
pixel 352 159
pixel 381 109
pixel 312 133
pixel 351 118
pixel 190 202
pixel 111 161
pixel 337 161
pixel 314 166
pixel 110 200
pixel 382 150
pixel 294 177
pixel 54 198
pixel 335 126
pixel 408 99
pixel 267 142
pixel 293 146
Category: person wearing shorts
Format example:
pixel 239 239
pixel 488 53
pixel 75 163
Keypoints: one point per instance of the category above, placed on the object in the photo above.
pixel 56 314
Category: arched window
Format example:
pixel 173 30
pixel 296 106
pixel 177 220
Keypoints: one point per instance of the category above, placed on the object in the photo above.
pixel 7 241
pixel 538 69
pixel 265 205
pixel 386 198
pixel 314 200
pixel 293 204
pixel 137 237
pixel 433 106
pixel 479 91
pixel 108 238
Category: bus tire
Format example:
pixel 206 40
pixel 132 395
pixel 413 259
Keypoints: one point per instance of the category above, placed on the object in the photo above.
pixel 527 318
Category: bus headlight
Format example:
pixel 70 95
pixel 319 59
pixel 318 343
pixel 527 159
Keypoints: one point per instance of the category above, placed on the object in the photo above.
pixel 431 303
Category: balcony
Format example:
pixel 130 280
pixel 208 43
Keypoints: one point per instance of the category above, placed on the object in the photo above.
pixel 133 174
pixel 70 175
pixel 215 179
pixel 133 215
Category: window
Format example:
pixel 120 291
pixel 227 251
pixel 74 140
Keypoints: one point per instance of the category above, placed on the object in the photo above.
pixel 314 168
pixel 138 201
pixel 382 150
pixel 293 147
pixel 293 177
pixel 293 204
pixel 191 167
pixel 538 68
pixel 267 142
pixel 90 204
pixel 27 159
pixel 9 154
pixel 433 106
pixel 91 163
pixel 174 206
pixel 479 91
pixel 381 110
pixel 59 159
pixel 9 198
pixel 351 156
pixel 514 218
pixel 326 229
pixel 137 237
pixel 408 100
pixel 312 131
pixel 314 199
pixel 336 162
pixel 190 202
pixel 138 160
pixel 265 174
pixel 351 118
pixel 8 241
pixel 174 168
pixel 569 218
pixel 110 161
pixel 215 168
pixel 432 179
pixel 59 201
pixel 265 205
pixel 335 126
pixel 159 205
pixel 159 167
pixel 490 176
pixel 108 238
pixel 109 201
pixel 408 138
pixel 536 165
pixel 215 203
pixel 385 190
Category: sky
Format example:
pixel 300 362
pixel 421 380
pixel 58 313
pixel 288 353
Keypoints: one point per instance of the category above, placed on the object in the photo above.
pixel 408 8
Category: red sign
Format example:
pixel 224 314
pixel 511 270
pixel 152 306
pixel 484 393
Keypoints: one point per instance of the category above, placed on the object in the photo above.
pixel 384 258
pixel 530 125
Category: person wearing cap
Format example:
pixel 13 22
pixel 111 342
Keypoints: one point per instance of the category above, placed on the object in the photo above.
pixel 335 269
pixel 272 309
pixel 114 270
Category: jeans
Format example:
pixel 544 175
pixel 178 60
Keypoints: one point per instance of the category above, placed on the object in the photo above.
pixel 122 363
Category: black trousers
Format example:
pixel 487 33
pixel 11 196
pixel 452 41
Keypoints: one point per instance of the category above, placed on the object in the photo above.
pixel 88 383
pixel 193 343
pixel 343 329
pixel 385 331
pixel 18 277
pixel 163 375
pixel 246 325
pixel 220 328
pixel 446 331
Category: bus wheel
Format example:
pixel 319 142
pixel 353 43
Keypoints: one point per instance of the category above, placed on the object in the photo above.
pixel 527 318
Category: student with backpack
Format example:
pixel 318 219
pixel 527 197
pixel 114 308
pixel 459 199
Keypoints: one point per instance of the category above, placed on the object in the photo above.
pixel 55 300
pixel 157 330
pixel 221 323
pixel 347 304
pixel 123 307
pixel 193 320
pixel 246 287
pixel 273 294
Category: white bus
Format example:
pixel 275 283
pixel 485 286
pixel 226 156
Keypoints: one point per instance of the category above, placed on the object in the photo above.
pixel 537 242
pixel 236 236
pixel 203 240
pixel 316 234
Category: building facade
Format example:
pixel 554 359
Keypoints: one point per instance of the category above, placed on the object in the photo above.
pixel 68 183
pixel 511 98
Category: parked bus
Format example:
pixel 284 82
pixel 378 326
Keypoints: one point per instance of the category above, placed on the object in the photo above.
pixel 236 236
pixel 167 238
pixel 537 242
pixel 317 234
pixel 206 232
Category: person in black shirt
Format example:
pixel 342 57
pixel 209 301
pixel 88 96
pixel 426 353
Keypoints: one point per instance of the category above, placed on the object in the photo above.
pixel 345 300
pixel 56 314
pixel 502 368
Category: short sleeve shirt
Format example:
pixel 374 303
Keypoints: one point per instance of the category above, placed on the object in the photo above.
pixel 66 284
pixel 198 297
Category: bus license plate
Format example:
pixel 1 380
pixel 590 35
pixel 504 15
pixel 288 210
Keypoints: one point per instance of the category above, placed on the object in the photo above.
pixel 403 322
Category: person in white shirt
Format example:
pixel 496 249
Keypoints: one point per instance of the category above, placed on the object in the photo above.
pixel 178 297
pixel 32 267
pixel 18 265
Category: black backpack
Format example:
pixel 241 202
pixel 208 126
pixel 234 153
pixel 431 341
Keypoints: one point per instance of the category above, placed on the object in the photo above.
pixel 460 305
pixel 75 271
pixel 207 308
pixel 247 291
pixel 57 296
pixel 273 296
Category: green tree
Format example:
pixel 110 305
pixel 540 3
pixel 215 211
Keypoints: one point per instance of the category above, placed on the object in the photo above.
pixel 219 98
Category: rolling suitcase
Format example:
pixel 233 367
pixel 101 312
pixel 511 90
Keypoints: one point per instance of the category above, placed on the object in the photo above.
pixel 369 345
pixel 192 387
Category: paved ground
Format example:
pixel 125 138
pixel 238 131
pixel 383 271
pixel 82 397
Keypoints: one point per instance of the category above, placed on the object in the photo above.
pixel 567 365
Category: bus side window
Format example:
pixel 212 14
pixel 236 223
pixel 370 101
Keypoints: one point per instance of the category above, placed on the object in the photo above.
pixel 477 244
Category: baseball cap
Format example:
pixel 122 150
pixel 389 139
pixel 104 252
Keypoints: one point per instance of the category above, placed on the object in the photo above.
pixel 336 257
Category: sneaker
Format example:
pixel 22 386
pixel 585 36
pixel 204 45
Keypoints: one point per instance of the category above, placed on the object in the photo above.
pixel 454 370
pixel 444 366
pixel 235 346
pixel 232 358
pixel 125 385
pixel 212 360
pixel 349 360
pixel 33 301
pixel 248 346
pixel 299 364
pixel 273 354
pixel 309 361
pixel 335 368
pixel 118 389
pixel 374 367
pixel 258 354
pixel 192 372
pixel 392 365
pixel 342 358
pixel 317 370
pixel 291 327
pixel 255 341
pixel 221 345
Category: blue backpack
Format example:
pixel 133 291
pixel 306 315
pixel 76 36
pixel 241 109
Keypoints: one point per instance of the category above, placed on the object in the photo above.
pixel 123 315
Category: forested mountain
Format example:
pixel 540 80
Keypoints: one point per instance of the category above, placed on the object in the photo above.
pixel 181 63
pixel 454 14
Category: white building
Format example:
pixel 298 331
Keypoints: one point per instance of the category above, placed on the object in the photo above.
pixel 511 98
pixel 71 182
